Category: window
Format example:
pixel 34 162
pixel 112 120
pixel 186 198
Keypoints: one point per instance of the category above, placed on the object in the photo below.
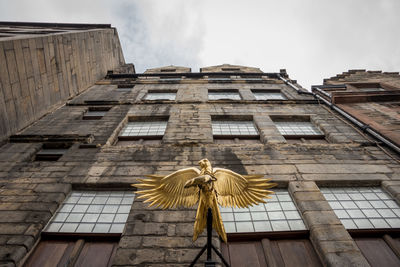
pixel 363 207
pixel 219 77
pixel 366 87
pixel 268 95
pixel 92 212
pixel 170 78
pixel 125 88
pixel 278 214
pixel 160 96
pixel 168 70
pixel 250 78
pixel 95 113
pixel 85 230
pixel 143 129
pixel 224 95
pixel 52 152
pixel 234 128
pixel 297 128
pixel 231 69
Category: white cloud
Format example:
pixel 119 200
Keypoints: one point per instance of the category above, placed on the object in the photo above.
pixel 312 39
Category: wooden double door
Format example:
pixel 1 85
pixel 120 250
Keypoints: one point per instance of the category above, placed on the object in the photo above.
pixel 271 253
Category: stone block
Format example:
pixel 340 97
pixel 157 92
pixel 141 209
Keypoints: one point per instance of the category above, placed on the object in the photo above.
pixel 342 168
pixel 52 188
pixel 303 186
pixel 348 258
pixel 308 196
pixel 314 218
pixel 130 242
pixel 138 257
pixel 313 206
pixel 13 253
pixel 320 233
pixel 167 242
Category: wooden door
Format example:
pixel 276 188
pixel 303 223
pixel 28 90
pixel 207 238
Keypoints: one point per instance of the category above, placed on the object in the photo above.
pixel 78 253
pixel 380 251
pixel 271 253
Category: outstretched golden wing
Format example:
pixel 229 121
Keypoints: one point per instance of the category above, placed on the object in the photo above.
pixel 241 191
pixel 168 191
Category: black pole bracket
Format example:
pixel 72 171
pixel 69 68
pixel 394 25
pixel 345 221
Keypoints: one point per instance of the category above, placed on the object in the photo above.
pixel 209 246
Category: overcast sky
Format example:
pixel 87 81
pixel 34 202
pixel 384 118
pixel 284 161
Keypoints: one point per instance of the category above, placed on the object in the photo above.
pixel 312 39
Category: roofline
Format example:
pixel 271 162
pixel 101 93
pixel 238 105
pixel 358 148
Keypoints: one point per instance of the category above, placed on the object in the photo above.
pixel 54 25
pixel 190 74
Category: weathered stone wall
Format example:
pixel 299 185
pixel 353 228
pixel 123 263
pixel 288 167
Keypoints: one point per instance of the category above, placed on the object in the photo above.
pixel 38 74
pixel 31 191
pixel 373 109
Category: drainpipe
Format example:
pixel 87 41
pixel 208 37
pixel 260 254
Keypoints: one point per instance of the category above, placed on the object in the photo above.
pixel 364 127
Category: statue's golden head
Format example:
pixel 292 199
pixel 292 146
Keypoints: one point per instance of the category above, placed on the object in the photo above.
pixel 205 163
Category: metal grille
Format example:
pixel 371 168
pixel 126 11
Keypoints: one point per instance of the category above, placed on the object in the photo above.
pixel 297 128
pixel 144 128
pixel 268 96
pixel 363 208
pixel 234 128
pixel 92 212
pixel 279 214
pixel 223 95
pixel 160 96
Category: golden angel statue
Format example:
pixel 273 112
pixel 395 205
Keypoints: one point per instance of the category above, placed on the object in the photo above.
pixel 210 187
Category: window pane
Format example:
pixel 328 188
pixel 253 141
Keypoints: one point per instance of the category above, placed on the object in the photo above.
pixel 223 95
pixel 234 128
pixel 297 128
pixel 268 95
pixel 144 128
pixel 272 216
pixel 160 96
pixel 363 208
pixel 92 217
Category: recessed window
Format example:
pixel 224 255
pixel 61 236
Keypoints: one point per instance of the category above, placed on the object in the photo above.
pixel 297 128
pixel 92 212
pixel 251 77
pixel 363 207
pixel 268 95
pixel 230 69
pixel 51 152
pixel 168 70
pixel 171 78
pixel 124 88
pixel 224 95
pixel 219 77
pixel 160 96
pixel 366 87
pixel 278 214
pixel 143 129
pixel 95 113
pixel 234 128
pixel 372 89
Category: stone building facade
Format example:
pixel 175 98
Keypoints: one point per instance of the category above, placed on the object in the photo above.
pixel 372 97
pixel 65 181
pixel 45 64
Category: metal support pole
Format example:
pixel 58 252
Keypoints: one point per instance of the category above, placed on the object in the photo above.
pixel 209 262
pixel 209 246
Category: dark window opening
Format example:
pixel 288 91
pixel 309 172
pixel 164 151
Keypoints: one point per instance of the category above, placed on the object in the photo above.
pixel 52 152
pixel 124 88
pixel 95 113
